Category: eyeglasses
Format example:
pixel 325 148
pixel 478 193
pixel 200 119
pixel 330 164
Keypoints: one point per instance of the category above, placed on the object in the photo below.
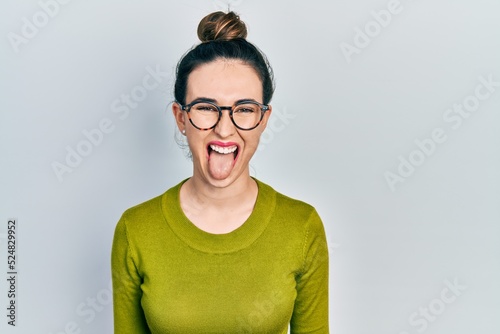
pixel 205 115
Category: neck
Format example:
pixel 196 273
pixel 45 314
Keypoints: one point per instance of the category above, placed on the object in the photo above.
pixel 207 195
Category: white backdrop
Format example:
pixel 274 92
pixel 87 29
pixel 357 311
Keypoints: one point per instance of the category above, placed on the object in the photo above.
pixel 386 119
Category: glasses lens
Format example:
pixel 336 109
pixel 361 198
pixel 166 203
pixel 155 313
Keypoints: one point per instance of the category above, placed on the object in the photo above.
pixel 204 115
pixel 247 115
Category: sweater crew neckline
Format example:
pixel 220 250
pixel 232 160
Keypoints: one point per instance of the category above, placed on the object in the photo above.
pixel 236 240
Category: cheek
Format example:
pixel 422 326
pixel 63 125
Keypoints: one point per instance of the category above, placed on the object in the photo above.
pixel 195 143
pixel 252 141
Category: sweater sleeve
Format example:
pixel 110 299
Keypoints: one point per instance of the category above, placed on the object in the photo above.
pixel 127 310
pixel 310 314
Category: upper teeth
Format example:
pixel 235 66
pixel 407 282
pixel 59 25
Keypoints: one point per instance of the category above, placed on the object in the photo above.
pixel 223 150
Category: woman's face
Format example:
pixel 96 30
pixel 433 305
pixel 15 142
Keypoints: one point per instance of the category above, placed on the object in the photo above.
pixel 225 82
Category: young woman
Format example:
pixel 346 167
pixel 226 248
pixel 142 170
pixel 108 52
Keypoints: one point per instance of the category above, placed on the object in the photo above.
pixel 221 252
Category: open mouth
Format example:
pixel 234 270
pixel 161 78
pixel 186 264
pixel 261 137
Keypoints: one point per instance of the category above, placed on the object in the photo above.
pixel 221 159
pixel 223 150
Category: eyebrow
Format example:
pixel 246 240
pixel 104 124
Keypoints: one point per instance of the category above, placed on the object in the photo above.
pixel 208 99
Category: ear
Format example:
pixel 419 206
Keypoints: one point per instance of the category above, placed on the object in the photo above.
pixel 179 115
pixel 266 117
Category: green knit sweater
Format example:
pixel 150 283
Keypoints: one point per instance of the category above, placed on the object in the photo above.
pixel 169 276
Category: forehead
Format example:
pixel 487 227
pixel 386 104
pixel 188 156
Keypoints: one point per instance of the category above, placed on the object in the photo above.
pixel 225 81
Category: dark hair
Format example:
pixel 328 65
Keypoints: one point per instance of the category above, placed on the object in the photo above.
pixel 223 36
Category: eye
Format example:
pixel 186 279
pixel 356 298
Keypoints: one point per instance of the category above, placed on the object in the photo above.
pixel 246 108
pixel 205 107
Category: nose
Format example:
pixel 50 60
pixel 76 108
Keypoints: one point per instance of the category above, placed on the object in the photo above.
pixel 225 127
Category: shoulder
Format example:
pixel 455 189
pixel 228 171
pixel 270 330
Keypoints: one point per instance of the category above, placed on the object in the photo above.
pixel 145 215
pixel 144 210
pixel 294 213
pixel 295 223
pixel 285 203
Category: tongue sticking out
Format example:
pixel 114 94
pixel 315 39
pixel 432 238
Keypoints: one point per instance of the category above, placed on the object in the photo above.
pixel 220 165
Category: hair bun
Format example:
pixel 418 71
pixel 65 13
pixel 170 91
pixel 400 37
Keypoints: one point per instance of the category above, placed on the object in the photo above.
pixel 219 26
